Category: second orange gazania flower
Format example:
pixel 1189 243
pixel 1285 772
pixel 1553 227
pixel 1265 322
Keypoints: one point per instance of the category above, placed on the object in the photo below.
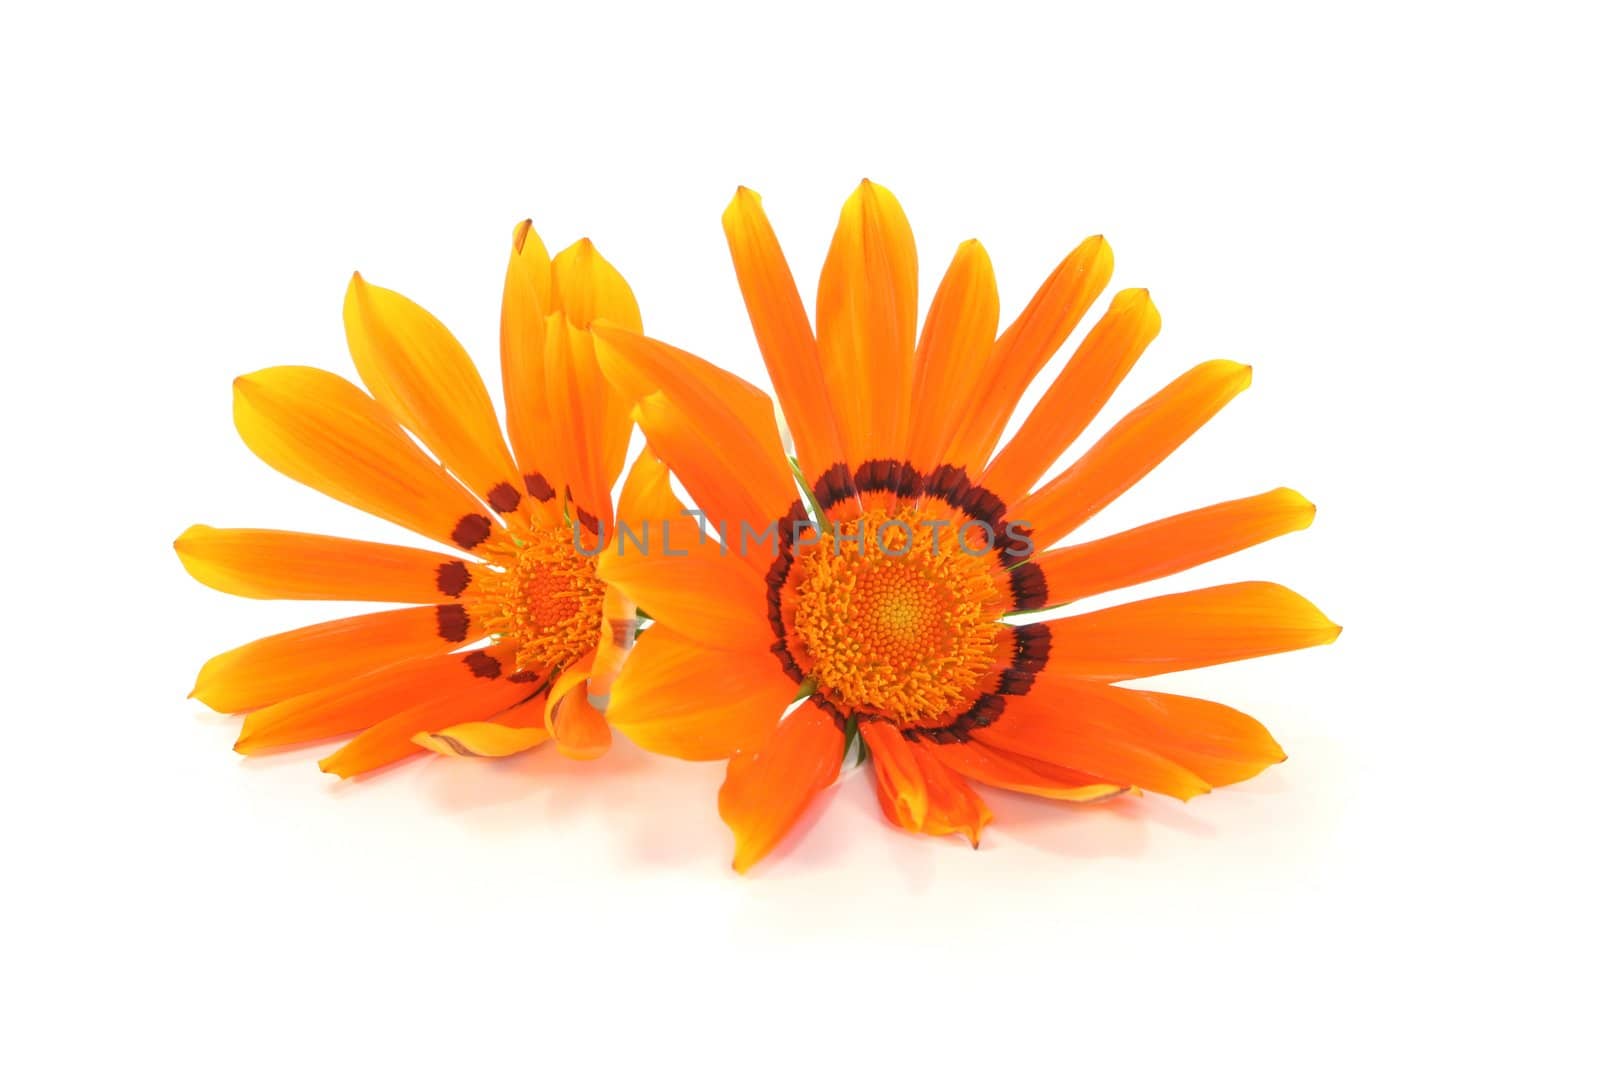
pixel 519 526
pixel 854 616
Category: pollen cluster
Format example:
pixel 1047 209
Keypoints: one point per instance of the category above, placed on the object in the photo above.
pixel 894 617
pixel 545 599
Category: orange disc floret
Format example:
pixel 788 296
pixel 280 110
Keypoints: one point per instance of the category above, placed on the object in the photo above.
pixel 894 616
pixel 545 598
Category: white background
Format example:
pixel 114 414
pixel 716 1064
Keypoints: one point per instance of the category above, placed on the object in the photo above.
pixel 1388 210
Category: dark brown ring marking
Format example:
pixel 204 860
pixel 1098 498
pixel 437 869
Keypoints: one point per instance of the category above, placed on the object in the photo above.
pixel 1029 590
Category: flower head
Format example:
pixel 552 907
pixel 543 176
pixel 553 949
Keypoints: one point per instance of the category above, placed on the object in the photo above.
pixel 513 636
pixel 888 597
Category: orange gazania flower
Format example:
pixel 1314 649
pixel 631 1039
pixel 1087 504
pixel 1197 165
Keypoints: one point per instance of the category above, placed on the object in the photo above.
pixel 869 621
pixel 520 576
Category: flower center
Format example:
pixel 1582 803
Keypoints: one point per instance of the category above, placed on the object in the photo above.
pixel 547 599
pixel 895 616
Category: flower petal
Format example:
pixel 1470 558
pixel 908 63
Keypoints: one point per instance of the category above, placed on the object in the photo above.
pixel 782 331
pixel 1077 395
pixel 585 287
pixel 475 693
pixel 1171 545
pixel 766 790
pixel 486 739
pixel 580 731
pixel 592 420
pixel 1130 450
pixel 1183 631
pixel 867 324
pixel 902 790
pixel 953 354
pixel 277 564
pixel 458 679
pixel 618 631
pixel 715 430
pixel 975 760
pixel 1175 745
pixel 953 806
pixel 299 661
pixel 684 699
pixel 523 309
pixel 715 599
pixel 416 369
pixel 322 431
pixel 1027 345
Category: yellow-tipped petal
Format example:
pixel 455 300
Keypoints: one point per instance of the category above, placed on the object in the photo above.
pixel 416 369
pixel 485 739
pixel 322 431
pixel 782 330
pixel 586 287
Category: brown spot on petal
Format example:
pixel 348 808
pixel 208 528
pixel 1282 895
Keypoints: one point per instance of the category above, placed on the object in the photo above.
pixel 538 487
pixel 453 622
pixel 471 531
pixel 482 665
pixel 452 578
pixel 504 498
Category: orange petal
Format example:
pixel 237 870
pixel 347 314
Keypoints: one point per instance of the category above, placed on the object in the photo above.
pixel 767 790
pixel 416 369
pixel 902 789
pixel 714 599
pixel 322 431
pixel 685 699
pixel 1077 395
pixel 580 731
pixel 782 330
pixel 647 496
pixel 715 430
pixel 299 661
pixel 953 806
pixel 1179 746
pixel 1130 450
pixel 1183 631
pixel 1027 345
pixel 977 761
pixel 661 536
pixel 619 628
pixel 473 694
pixel 1028 728
pixel 956 340
pixel 277 564
pixel 523 308
pixel 1171 545
pixel 484 739
pixel 584 287
pixel 358 703
pixel 867 324
pixel 1218 743
pixel 591 418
